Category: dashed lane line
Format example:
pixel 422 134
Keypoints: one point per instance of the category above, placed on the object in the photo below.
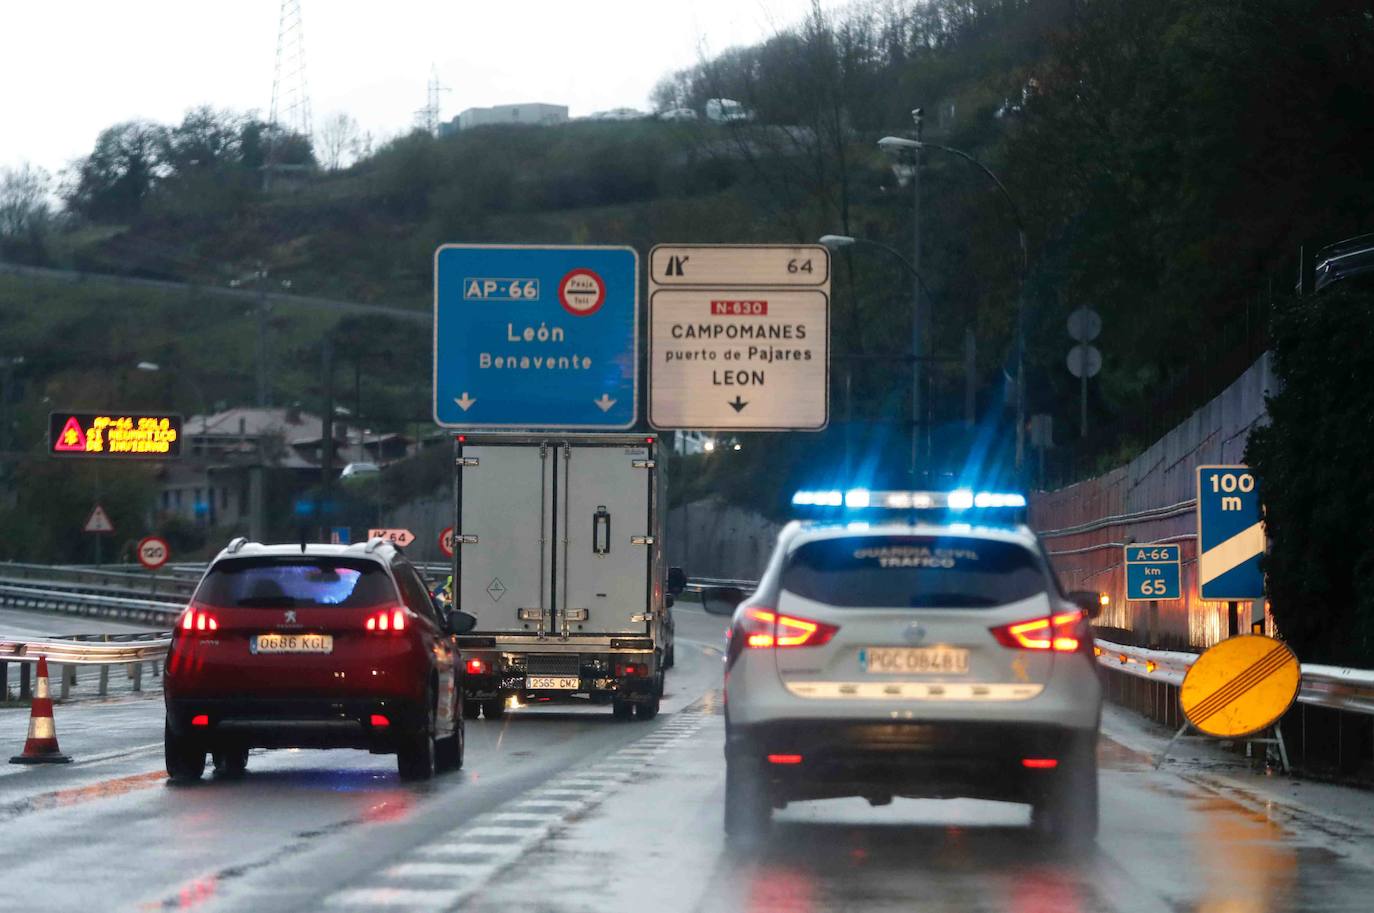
pixel 457 865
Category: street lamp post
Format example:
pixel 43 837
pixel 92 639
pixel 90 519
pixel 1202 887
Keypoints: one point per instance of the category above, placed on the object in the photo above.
pixel 838 242
pixel 153 368
pixel 905 147
pixel 900 144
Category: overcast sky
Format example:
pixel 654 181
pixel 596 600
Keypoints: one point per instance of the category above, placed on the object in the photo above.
pixel 70 69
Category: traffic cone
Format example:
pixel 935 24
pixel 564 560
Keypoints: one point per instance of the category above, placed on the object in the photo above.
pixel 41 745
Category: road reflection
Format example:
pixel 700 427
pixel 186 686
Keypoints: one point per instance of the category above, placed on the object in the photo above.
pixel 1248 862
pixel 814 866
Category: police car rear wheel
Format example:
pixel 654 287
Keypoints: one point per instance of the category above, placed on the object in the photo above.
pixel 748 805
pixel 1068 812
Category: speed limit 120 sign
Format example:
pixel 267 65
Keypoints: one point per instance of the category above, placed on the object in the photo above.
pixel 1152 571
pixel 153 552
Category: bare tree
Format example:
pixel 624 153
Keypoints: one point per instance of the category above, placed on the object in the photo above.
pixel 25 206
pixel 341 141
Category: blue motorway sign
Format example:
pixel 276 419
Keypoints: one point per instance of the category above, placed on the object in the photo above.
pixel 1230 533
pixel 1152 571
pixel 536 337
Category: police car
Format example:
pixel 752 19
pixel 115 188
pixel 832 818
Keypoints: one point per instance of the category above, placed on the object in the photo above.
pixel 911 644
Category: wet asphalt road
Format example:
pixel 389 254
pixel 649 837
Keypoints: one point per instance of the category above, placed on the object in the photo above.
pixel 565 810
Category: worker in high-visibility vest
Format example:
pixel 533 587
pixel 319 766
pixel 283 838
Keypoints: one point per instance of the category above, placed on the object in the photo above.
pixel 445 593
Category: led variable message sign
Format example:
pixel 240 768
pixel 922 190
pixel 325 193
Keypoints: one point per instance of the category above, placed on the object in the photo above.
pixel 113 435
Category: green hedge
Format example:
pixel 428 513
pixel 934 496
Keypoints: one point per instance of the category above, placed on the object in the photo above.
pixel 1317 469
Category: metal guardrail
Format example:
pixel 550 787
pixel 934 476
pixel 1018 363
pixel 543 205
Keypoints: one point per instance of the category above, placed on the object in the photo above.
pixel 74 602
pixel 104 578
pixel 68 654
pixel 698 583
pixel 88 650
pixel 1335 687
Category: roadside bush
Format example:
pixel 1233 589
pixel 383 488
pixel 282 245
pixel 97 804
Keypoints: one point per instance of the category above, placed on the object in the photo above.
pixel 1314 463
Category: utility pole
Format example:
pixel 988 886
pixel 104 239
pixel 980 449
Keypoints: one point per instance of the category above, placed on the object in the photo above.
pixel 327 436
pixel 917 364
pixel 970 377
pixel 264 389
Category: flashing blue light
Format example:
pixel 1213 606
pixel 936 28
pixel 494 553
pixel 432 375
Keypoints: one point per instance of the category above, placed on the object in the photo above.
pixel 993 499
pixel 856 497
pixel 960 499
pixel 818 499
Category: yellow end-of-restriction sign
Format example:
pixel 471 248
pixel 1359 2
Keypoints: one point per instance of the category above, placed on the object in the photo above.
pixel 1240 686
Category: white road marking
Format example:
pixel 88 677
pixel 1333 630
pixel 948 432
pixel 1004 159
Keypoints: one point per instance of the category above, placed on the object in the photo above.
pixel 409 898
pixel 480 849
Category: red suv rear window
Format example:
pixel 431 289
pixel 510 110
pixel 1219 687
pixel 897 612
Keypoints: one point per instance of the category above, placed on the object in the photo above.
pixel 295 583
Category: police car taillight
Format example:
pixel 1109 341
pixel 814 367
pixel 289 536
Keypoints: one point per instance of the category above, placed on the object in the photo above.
pixel 1063 633
pixel 762 629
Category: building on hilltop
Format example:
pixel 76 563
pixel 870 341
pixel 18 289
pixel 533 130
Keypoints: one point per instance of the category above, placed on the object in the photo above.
pixel 532 114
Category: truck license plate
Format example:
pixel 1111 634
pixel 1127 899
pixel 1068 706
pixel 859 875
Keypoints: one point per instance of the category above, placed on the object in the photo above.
pixel 552 682
pixel 914 660
pixel 291 643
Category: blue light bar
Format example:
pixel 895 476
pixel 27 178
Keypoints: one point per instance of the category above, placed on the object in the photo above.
pixel 959 500
pixel 857 497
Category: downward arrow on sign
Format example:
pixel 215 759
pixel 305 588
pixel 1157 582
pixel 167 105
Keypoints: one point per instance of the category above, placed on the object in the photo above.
pixel 737 404
pixel 605 402
pixel 464 402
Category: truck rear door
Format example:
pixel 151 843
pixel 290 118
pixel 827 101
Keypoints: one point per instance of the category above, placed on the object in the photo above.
pixel 605 535
pixel 504 493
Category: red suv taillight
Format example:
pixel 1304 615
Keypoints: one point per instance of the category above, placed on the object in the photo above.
pixel 1063 633
pixel 387 620
pixel 197 621
pixel 765 630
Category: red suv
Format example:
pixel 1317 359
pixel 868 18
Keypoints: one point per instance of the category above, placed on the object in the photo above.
pixel 319 646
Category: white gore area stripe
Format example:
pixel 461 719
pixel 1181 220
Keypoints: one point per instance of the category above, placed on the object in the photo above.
pixel 404 898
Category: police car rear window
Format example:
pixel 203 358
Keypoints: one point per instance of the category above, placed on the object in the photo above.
pixel 954 572
pixel 296 583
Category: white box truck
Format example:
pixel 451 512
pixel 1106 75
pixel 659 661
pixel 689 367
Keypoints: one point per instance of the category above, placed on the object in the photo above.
pixel 558 553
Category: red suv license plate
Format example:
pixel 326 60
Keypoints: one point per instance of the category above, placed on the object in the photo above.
pixel 291 643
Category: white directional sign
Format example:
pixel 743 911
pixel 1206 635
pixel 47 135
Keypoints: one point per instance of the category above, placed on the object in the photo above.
pixel 401 537
pixel 739 337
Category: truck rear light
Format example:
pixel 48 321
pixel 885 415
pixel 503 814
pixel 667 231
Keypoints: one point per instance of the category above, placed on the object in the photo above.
pixel 784 759
pixel 766 630
pixel 1040 763
pixel 475 667
pixel 378 721
pixel 387 620
pixel 200 719
pixel 1059 633
pixel 198 621
pixel 631 670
